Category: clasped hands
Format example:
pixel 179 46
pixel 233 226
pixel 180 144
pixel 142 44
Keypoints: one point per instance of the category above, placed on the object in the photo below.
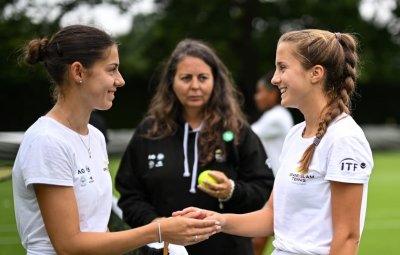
pixel 193 224
pixel 202 215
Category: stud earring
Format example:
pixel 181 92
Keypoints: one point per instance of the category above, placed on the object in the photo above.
pixel 80 81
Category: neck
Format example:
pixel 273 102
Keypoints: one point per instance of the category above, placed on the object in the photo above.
pixel 312 123
pixel 313 113
pixel 72 117
pixel 193 118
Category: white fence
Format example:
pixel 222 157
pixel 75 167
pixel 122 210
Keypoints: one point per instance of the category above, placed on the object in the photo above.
pixel 380 138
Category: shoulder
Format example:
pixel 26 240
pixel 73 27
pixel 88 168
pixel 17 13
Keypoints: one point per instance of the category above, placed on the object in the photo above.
pixel 345 126
pixel 144 126
pixel 247 134
pixel 246 130
pixel 296 129
pixel 345 134
pixel 48 137
pixel 96 131
pixel 45 129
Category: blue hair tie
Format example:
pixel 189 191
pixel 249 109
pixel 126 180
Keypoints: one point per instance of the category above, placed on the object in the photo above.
pixel 316 141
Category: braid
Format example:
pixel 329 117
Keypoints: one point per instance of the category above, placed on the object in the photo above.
pixel 331 112
pixel 340 59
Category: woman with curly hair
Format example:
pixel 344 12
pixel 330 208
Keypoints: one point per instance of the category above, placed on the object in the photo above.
pixel 195 105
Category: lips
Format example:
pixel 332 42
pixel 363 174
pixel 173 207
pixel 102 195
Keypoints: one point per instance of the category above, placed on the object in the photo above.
pixel 111 94
pixel 195 97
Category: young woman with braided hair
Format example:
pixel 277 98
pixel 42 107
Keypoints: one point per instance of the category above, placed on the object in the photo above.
pixel 318 204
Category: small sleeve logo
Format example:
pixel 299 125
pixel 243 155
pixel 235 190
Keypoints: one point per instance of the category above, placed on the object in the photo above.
pixel 351 165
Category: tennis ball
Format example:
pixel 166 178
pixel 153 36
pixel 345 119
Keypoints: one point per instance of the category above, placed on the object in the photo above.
pixel 205 177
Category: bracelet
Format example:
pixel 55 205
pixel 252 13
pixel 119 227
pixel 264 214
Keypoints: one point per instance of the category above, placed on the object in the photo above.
pixel 159 232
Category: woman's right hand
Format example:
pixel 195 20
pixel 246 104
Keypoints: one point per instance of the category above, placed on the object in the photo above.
pixel 186 231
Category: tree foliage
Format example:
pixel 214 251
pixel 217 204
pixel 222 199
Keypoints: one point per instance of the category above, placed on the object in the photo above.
pixel 243 33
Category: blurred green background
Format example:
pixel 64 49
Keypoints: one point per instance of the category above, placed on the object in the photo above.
pixel 243 32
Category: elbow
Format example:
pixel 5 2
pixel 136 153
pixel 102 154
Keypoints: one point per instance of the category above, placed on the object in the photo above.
pixel 67 247
pixel 345 244
pixel 65 250
pixel 352 237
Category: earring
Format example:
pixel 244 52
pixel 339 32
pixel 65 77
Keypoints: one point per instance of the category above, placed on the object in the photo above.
pixel 80 81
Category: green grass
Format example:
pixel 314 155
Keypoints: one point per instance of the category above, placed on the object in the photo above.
pixel 382 228
pixel 9 238
pixel 381 232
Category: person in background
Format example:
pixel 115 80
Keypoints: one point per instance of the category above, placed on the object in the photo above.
pixel 318 205
pixel 195 104
pixel 61 182
pixel 272 127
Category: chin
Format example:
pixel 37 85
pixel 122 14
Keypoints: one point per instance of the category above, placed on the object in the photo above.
pixel 104 107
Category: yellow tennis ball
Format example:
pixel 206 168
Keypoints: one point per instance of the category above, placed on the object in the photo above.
pixel 205 177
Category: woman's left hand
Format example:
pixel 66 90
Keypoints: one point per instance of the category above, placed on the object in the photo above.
pixel 221 189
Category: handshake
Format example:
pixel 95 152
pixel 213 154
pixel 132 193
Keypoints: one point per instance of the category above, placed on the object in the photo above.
pixel 197 225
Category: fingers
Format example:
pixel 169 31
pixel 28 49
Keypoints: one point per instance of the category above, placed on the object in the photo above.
pixel 220 190
pixel 186 231
pixel 202 234
pixel 194 215
pixel 199 238
pixel 219 176
pixel 185 211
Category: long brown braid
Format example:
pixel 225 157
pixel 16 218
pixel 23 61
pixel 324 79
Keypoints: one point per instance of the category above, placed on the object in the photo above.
pixel 337 53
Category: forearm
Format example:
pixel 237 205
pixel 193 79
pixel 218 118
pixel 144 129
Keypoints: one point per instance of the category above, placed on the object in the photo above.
pixel 255 224
pixel 109 242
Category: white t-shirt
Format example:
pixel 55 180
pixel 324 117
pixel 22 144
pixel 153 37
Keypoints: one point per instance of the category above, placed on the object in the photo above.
pixel 272 128
pixel 51 153
pixel 302 204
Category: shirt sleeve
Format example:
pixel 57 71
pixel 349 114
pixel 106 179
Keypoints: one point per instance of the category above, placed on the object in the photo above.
pixel 47 161
pixel 350 160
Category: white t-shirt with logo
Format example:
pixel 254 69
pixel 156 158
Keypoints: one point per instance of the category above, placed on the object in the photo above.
pixel 302 204
pixel 51 153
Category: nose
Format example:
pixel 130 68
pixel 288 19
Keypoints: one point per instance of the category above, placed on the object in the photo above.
pixel 275 79
pixel 195 84
pixel 119 80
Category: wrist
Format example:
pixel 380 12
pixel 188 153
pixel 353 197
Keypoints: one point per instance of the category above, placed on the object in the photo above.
pixel 158 231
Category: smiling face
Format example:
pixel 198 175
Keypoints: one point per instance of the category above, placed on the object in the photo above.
pixel 102 80
pixel 193 83
pixel 291 77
